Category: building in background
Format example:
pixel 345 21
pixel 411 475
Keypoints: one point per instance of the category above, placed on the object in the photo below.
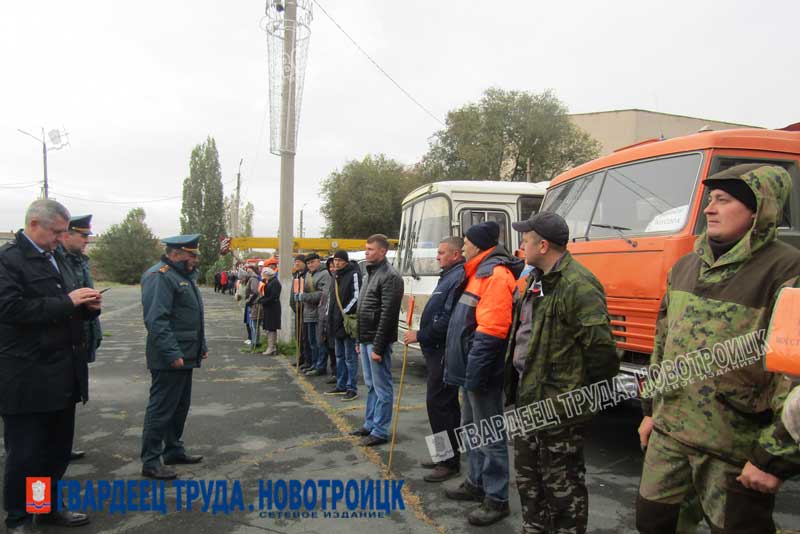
pixel 620 128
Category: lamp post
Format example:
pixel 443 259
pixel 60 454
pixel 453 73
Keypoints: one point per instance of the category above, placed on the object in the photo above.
pixel 56 144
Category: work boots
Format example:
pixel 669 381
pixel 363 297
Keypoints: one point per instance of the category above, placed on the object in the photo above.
pixel 488 513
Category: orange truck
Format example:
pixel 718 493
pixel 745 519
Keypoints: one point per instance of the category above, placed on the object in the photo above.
pixel 633 213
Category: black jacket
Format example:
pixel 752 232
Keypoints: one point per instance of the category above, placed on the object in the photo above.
pixel 271 301
pixel 435 318
pixel 42 361
pixel 349 281
pixel 379 306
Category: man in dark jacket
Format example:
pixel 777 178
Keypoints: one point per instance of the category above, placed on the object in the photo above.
pixel 43 370
pixel 444 412
pixel 342 302
pixel 378 312
pixel 475 346
pixel 76 275
pixel 295 302
pixel 315 285
pixel 176 344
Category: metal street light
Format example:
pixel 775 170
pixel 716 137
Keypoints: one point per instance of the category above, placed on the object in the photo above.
pixel 57 143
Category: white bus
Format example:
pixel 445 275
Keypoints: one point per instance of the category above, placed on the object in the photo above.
pixel 442 209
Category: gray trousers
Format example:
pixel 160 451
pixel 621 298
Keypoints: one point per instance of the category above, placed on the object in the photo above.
pixel 170 398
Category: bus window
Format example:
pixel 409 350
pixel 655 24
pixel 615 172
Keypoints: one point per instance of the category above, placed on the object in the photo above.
pixel 527 206
pixel 646 197
pixel 472 217
pixel 425 224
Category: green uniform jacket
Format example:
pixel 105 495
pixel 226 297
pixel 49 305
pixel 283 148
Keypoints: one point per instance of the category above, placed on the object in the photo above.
pixel 77 275
pixel 711 328
pixel 173 315
pixel 570 343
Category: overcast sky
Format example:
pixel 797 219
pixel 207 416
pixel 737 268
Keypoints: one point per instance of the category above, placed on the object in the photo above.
pixel 138 84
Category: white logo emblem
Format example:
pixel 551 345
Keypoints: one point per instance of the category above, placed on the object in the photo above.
pixel 439 446
pixel 38 488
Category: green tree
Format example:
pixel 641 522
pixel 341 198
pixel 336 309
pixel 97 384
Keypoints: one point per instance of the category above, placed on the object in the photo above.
pixel 126 249
pixel 247 219
pixel 493 139
pixel 203 210
pixel 364 197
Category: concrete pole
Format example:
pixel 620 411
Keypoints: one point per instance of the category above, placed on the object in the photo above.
pixel 288 127
pixel 45 186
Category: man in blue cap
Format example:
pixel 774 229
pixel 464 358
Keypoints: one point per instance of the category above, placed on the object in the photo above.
pixel 76 274
pixel 176 344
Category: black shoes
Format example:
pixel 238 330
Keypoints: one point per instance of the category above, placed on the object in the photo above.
pixel 465 492
pixel 360 432
pixel 76 454
pixel 336 391
pixel 314 372
pixel 350 396
pixel 373 441
pixel 63 518
pixel 488 513
pixel 185 459
pixel 441 473
pixel 159 473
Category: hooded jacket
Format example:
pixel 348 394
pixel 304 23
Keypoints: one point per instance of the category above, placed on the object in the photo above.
pixel 480 321
pixel 707 380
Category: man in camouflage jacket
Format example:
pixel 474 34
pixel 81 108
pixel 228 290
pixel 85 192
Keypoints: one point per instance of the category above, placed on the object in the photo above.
pixel 714 410
pixel 560 346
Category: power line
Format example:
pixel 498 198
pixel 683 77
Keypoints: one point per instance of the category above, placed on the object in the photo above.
pixel 147 201
pixel 423 108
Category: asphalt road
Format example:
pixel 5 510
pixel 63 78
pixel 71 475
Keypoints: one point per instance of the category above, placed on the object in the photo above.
pixel 253 418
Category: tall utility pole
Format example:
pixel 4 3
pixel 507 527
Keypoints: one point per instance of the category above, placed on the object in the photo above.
pixel 288 125
pixel 236 228
pixel 44 163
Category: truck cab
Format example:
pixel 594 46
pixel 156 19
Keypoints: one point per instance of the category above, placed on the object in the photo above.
pixel 633 213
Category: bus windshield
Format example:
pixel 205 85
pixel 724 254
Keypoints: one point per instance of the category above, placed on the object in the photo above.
pixel 425 223
pixel 641 198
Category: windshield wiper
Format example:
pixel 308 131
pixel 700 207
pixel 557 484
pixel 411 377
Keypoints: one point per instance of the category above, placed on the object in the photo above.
pixel 619 230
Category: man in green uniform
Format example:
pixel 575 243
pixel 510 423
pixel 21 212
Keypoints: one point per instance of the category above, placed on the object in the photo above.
pixel 76 275
pixel 176 344
pixel 560 345
pixel 712 412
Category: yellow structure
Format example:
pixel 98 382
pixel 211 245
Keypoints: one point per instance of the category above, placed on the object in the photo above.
pixel 317 244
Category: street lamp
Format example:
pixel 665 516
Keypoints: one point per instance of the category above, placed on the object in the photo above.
pixel 56 143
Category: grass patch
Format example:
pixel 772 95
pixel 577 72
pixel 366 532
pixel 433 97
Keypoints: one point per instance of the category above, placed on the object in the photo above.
pixel 102 284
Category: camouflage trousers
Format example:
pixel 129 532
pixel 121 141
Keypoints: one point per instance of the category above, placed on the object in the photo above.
pixel 672 471
pixel 551 481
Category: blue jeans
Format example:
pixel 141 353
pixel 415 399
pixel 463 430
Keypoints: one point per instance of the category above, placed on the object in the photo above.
pixel 321 363
pixel 380 394
pixel 311 343
pixel 488 465
pixel 346 364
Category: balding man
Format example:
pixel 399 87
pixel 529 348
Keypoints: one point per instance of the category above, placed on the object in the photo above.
pixel 43 368
pixel 441 399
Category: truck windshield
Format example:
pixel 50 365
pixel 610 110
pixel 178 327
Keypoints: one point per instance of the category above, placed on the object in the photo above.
pixel 425 223
pixel 641 198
